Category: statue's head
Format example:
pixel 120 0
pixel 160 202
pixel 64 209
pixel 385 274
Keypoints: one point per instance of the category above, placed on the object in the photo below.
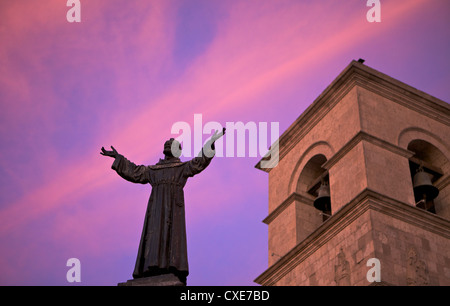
pixel 172 148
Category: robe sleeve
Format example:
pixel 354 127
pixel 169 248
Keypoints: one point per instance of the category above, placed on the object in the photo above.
pixel 198 164
pixel 131 172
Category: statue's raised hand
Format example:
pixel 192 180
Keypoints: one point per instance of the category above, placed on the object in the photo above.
pixel 209 147
pixel 112 153
pixel 217 135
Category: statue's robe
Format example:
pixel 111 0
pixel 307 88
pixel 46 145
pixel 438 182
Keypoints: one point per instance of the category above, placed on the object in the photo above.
pixel 163 247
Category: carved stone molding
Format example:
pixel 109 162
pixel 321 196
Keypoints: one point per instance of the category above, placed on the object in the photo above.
pixel 366 200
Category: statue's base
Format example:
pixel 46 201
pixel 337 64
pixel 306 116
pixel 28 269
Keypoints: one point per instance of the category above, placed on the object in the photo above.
pixel 158 280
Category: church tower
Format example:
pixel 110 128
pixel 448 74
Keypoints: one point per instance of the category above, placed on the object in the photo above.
pixel 361 192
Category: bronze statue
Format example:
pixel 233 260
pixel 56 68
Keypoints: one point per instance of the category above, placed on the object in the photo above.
pixel 163 248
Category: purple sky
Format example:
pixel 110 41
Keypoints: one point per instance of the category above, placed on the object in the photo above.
pixel 127 73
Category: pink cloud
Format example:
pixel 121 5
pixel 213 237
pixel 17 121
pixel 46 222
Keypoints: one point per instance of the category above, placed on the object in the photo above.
pixel 233 84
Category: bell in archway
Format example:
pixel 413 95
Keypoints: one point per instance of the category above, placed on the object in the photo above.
pixel 423 188
pixel 323 200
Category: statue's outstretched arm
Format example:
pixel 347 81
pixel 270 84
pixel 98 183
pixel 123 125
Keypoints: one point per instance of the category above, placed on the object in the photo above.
pixel 198 164
pixel 127 169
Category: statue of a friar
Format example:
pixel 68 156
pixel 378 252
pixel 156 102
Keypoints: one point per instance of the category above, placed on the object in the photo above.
pixel 163 247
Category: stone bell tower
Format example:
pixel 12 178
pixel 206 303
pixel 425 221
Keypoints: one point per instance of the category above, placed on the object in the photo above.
pixel 362 182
